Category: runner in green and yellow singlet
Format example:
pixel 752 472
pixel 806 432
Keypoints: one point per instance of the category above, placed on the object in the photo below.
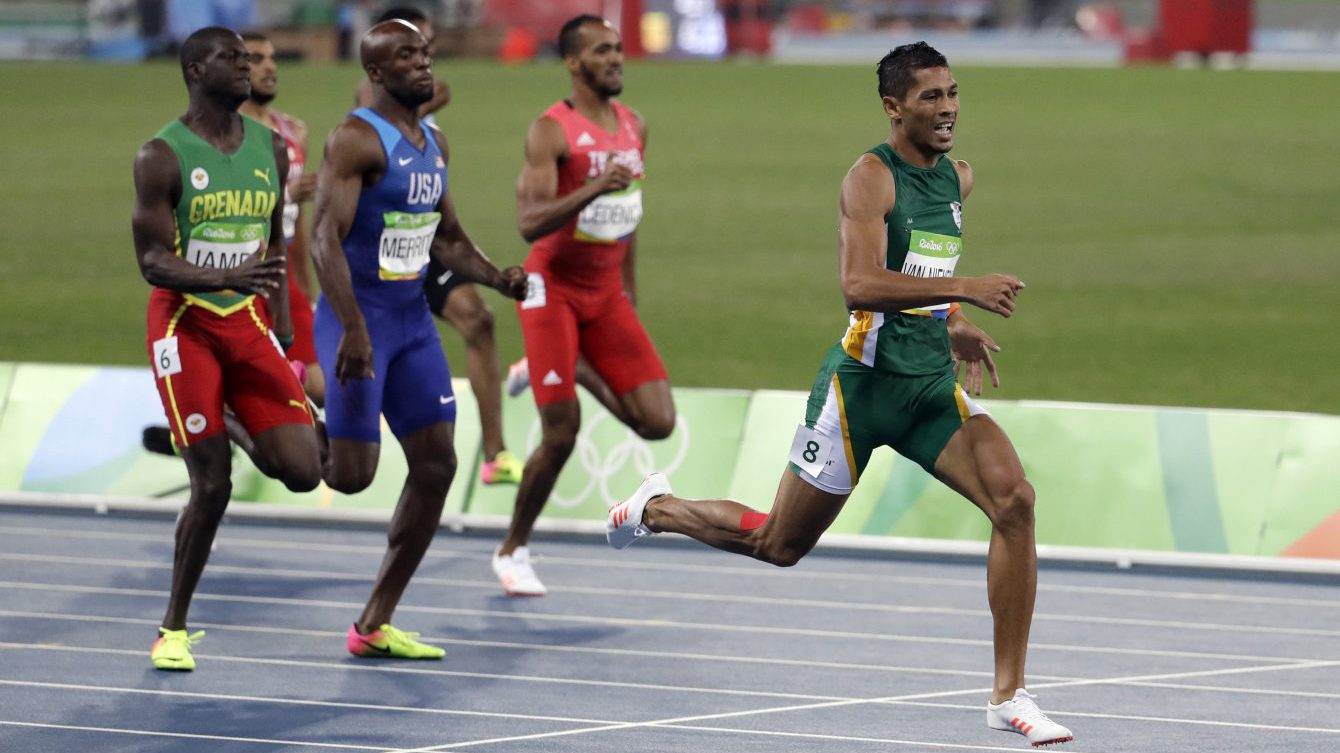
pixel 209 238
pixel 892 380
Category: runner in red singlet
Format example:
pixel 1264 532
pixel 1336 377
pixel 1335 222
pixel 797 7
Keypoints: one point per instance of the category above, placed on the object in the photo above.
pixel 579 200
pixel 300 187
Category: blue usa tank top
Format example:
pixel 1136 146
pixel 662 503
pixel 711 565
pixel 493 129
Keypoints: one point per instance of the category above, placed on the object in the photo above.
pixel 388 244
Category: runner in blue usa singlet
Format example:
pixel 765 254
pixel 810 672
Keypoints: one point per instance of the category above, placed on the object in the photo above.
pixel 387 249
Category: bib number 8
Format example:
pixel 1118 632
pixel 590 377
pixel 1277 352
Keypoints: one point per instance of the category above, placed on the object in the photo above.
pixel 811 453
pixel 810 450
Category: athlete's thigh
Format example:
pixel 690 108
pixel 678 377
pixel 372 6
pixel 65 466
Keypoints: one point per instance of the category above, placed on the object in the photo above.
pixel 549 327
pixel 418 383
pixel 801 512
pixel 833 445
pixel 429 445
pixel 464 306
pixel 354 406
pixel 439 287
pixel 300 313
pixel 187 375
pixel 650 403
pixel 939 408
pixel 260 386
pixel 618 347
pixel 980 462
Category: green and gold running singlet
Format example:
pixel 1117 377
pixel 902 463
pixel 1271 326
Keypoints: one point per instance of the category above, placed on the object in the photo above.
pixel 924 241
pixel 226 204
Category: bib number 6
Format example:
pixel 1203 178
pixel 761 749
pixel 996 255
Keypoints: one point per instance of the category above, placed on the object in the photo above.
pixel 167 361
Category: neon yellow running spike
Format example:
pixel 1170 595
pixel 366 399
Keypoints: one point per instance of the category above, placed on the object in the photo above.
pixel 389 643
pixel 172 650
pixel 504 468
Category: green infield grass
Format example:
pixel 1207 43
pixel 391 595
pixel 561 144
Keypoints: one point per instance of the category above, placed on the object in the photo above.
pixel 1179 231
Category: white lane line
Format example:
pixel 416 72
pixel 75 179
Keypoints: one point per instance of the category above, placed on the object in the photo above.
pixel 185 735
pixel 1244 691
pixel 735 570
pixel 732 731
pixel 299 702
pixel 849 738
pixel 718 658
pixel 653 623
pixel 656 655
pixel 356 667
pixel 842 703
pixel 1139 718
pixel 425 580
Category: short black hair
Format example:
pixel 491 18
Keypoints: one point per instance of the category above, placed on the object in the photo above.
pixel 403 13
pixel 898 70
pixel 254 36
pixel 198 46
pixel 569 37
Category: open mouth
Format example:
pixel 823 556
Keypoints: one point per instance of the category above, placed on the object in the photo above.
pixel 944 128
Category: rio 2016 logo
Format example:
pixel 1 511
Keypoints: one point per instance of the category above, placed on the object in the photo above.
pixel 615 455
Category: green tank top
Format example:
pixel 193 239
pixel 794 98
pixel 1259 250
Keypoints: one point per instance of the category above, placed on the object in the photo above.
pixel 925 228
pixel 226 203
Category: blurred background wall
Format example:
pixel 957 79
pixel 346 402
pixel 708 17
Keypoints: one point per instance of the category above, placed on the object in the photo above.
pixel 1272 33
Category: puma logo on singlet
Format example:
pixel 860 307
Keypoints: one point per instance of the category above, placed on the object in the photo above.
pixel 263 174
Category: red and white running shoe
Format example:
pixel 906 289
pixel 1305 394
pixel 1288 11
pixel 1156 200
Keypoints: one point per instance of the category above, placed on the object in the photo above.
pixel 623 525
pixel 518 377
pixel 1021 715
pixel 518 578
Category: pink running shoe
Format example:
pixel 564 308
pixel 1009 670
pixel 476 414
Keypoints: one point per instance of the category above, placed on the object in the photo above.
pixel 389 643
pixel 518 377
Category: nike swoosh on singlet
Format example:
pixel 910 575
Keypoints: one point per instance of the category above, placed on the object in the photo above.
pixel 404 160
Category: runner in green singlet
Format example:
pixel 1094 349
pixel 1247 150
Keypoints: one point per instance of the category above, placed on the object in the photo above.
pixel 208 238
pixel 892 380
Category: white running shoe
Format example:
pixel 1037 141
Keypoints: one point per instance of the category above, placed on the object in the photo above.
pixel 518 377
pixel 517 576
pixel 1021 714
pixel 623 526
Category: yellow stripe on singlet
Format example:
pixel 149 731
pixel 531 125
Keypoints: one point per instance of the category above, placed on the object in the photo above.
pixel 846 434
pixel 167 380
pixel 854 341
pixel 217 309
pixel 256 317
pixel 962 402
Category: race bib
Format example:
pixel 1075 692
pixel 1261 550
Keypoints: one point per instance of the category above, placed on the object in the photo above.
pixel 291 220
pixel 167 361
pixel 810 450
pixel 405 244
pixel 535 295
pixel 221 245
pixel 931 255
pixel 612 216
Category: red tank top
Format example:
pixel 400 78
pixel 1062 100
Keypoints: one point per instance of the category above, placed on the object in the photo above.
pixel 297 162
pixel 589 250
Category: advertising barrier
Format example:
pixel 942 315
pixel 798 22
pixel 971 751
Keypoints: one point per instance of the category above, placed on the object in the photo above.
pixel 610 460
pixel 76 430
pixel 1119 477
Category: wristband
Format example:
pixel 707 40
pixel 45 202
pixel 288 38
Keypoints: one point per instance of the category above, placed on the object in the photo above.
pixel 285 342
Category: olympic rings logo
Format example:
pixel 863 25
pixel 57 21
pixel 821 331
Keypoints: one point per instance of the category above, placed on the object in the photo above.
pixel 601 468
